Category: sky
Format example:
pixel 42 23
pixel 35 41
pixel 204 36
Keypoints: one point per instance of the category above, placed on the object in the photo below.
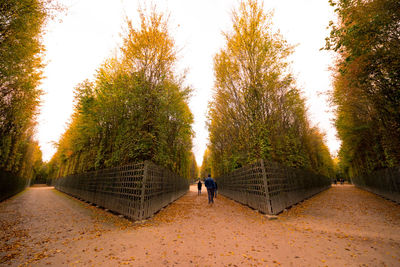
pixel 90 31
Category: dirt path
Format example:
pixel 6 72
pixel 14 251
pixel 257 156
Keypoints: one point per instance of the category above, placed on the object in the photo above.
pixel 343 226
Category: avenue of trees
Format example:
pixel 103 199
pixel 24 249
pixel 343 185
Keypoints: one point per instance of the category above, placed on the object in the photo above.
pixel 21 23
pixel 205 168
pixel 367 83
pixel 257 110
pixel 136 108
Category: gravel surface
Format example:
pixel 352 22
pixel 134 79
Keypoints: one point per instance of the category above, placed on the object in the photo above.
pixel 343 226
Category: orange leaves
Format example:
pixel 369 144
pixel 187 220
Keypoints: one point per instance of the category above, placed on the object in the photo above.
pixel 227 234
pixel 150 49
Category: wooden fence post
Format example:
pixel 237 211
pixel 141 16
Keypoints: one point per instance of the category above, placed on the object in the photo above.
pixel 266 188
pixel 146 166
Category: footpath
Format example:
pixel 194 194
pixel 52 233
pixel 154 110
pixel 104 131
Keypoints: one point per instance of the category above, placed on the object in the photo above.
pixel 343 226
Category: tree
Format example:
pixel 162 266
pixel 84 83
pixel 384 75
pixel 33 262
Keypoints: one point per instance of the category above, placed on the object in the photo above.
pixel 257 111
pixel 136 108
pixel 193 168
pixel 21 29
pixel 366 86
pixel 20 72
pixel 205 169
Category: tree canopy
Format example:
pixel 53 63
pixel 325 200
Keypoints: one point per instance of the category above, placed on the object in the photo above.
pixel 257 110
pixel 205 168
pixel 366 83
pixel 135 109
pixel 21 23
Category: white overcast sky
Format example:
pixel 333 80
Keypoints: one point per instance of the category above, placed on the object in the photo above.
pixel 91 30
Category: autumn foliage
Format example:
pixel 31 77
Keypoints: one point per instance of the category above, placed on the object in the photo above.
pixel 257 110
pixel 366 83
pixel 21 24
pixel 205 168
pixel 135 109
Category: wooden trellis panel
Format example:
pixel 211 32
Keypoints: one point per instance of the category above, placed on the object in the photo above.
pixel 246 185
pixel 161 188
pixel 385 183
pixel 270 187
pixel 136 190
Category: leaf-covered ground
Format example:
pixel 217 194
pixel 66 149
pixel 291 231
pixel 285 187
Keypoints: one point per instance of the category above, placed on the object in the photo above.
pixel 343 226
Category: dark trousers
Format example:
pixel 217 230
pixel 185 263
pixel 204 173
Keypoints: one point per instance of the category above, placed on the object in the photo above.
pixel 210 192
pixel 199 192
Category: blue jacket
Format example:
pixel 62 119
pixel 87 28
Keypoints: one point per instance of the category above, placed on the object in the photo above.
pixel 209 183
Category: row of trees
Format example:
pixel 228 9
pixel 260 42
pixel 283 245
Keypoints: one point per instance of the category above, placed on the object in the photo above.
pixel 135 109
pixel 367 83
pixel 257 110
pixel 206 166
pixel 21 23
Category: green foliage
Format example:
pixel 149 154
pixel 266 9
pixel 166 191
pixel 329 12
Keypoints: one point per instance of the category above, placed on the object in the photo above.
pixel 205 169
pixel 193 168
pixel 366 87
pixel 21 23
pixel 20 72
pixel 136 108
pixel 257 111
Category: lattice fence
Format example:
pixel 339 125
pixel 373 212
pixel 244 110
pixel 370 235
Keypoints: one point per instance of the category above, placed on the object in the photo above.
pixel 385 182
pixel 136 190
pixel 270 187
pixel 10 184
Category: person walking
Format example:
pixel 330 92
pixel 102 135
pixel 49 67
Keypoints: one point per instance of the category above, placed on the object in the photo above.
pixel 215 189
pixel 210 185
pixel 199 185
